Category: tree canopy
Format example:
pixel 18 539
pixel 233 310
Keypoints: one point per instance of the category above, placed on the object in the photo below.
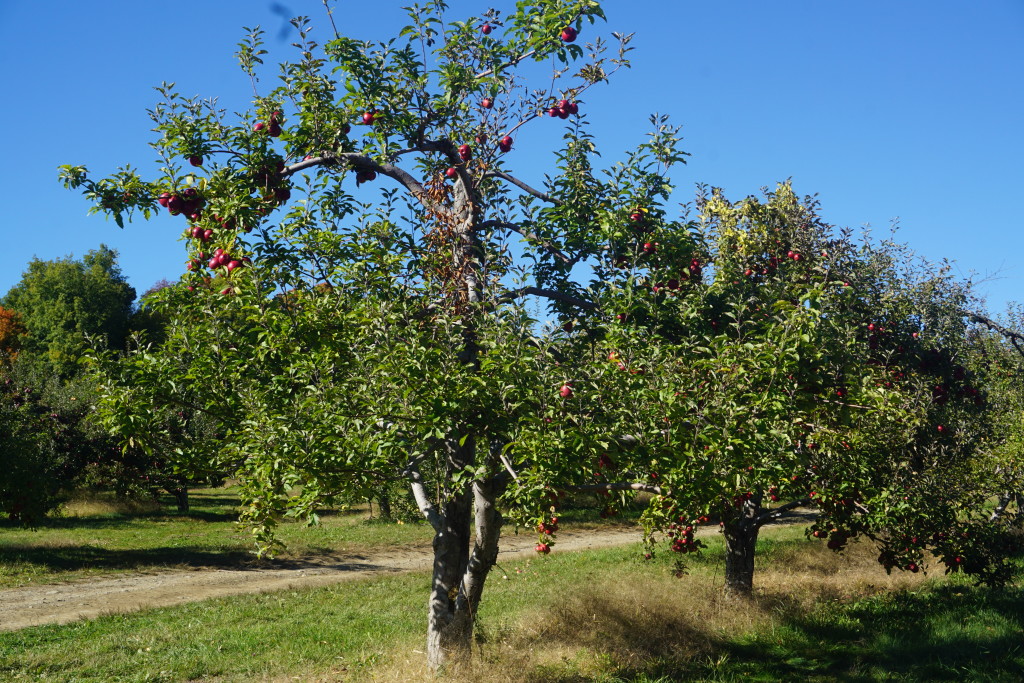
pixel 65 302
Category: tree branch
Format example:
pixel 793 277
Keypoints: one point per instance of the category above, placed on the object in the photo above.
pixel 615 486
pixel 775 513
pixel 419 492
pixel 512 227
pixel 511 62
pixel 543 196
pixel 1016 338
pixel 547 294
pixel 363 162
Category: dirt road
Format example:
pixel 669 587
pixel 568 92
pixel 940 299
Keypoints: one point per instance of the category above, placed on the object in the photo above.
pixel 66 602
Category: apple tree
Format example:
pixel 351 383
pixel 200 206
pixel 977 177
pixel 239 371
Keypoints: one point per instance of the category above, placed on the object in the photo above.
pixel 757 361
pixel 345 343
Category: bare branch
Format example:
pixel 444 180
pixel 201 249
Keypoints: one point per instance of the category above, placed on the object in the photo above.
pixel 1004 502
pixel 615 486
pixel 547 294
pixel 512 227
pixel 419 492
pixel 1016 338
pixel 500 67
pixel 363 162
pixel 508 466
pixel 543 196
pixel 775 513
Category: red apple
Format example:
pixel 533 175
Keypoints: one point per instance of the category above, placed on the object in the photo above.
pixel 175 204
pixel 258 128
pixel 451 172
pixel 505 144
pixel 465 152
pixel 487 103
pixel 565 391
pixel 568 34
pixel 368 117
pixel 485 29
pixel 195 160
pixel 274 129
pixel 163 199
pixel 542 548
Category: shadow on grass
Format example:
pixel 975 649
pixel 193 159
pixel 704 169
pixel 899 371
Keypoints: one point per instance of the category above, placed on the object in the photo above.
pixel 73 557
pixel 115 520
pixel 949 633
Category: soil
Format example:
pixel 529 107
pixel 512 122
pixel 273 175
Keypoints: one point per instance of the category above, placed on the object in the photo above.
pixel 66 602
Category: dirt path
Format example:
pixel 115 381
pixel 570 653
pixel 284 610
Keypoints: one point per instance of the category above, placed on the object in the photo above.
pixel 66 602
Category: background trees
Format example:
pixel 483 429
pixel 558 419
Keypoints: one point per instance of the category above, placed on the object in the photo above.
pixel 61 303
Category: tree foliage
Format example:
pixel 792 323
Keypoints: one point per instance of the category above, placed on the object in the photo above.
pixel 65 302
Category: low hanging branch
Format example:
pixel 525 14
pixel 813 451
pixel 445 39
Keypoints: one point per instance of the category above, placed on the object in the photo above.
pixel 419 492
pixel 775 513
pixel 615 486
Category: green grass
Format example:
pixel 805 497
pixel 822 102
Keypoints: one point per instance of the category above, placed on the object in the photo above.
pixel 101 541
pixel 597 616
pixel 97 537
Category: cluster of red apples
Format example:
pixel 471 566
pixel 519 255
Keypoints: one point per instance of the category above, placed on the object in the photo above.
pixel 546 530
pixel 273 128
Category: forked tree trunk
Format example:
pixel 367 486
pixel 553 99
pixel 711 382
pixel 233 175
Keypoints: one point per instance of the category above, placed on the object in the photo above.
pixel 485 550
pixel 740 543
pixel 455 596
pixel 447 637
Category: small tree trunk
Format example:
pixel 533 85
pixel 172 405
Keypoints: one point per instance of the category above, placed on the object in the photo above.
pixel 180 498
pixel 384 503
pixel 740 543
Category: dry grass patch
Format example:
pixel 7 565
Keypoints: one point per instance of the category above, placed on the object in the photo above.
pixel 801 575
pixel 644 620
pixel 100 505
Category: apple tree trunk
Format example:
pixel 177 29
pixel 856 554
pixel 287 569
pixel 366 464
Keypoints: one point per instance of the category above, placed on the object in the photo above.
pixel 741 531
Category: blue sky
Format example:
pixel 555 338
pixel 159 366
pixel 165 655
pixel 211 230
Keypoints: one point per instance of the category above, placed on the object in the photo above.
pixel 906 109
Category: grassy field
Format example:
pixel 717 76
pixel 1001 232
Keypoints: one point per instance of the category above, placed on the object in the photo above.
pixel 596 616
pixel 98 536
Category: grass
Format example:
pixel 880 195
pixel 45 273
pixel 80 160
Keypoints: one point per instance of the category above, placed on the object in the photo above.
pixel 597 616
pixel 99 536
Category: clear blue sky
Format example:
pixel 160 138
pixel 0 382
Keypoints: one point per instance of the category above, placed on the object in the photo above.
pixel 908 109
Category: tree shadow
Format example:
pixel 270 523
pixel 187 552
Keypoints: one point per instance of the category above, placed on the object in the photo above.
pixel 951 632
pixel 117 520
pixel 85 556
